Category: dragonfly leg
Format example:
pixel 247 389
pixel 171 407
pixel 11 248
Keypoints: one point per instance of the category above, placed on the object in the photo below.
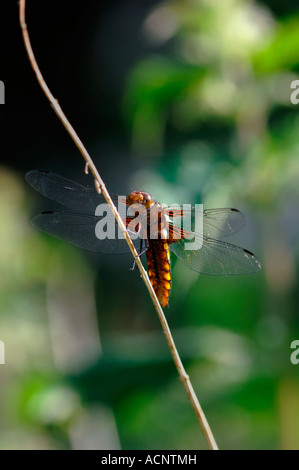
pixel 141 252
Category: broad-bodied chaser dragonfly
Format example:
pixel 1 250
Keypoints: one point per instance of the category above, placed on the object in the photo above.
pixel 78 226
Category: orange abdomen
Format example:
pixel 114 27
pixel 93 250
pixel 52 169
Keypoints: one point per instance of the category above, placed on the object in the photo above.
pixel 158 263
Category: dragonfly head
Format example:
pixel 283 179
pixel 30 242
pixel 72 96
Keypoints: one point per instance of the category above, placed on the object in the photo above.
pixel 140 197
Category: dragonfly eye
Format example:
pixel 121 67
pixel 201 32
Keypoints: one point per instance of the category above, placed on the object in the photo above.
pixel 146 197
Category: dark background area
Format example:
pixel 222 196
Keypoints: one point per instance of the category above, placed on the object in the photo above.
pixel 85 64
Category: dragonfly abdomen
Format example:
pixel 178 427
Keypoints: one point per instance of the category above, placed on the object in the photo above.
pixel 158 263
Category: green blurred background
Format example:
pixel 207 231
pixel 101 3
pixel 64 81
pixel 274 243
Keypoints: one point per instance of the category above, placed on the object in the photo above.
pixel 190 101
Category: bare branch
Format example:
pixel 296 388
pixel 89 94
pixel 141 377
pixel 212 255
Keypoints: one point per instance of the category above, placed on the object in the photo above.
pixel 100 187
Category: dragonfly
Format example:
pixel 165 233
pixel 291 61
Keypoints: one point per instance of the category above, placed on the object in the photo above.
pixel 78 225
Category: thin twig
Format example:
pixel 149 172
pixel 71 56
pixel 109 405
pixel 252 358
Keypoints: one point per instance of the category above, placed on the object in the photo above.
pixel 100 187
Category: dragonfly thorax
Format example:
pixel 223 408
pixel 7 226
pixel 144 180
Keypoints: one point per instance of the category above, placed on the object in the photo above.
pixel 157 223
pixel 149 218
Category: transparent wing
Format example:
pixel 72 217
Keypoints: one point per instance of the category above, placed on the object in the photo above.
pixel 216 257
pixel 80 230
pixel 220 223
pixel 73 195
pixel 217 223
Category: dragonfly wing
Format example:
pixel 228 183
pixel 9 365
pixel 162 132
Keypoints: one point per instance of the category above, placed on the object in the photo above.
pixel 73 195
pixel 80 230
pixel 217 258
pixel 217 223
pixel 220 223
